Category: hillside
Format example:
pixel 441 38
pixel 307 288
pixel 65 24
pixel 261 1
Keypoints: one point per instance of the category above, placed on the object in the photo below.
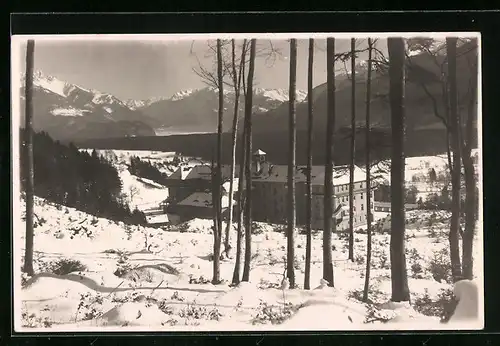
pixel 421 68
pixel 114 276
pixel 66 110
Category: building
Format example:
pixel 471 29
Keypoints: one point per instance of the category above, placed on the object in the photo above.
pixel 269 194
pixel 386 206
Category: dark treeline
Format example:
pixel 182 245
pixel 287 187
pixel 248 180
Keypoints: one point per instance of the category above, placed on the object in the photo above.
pixel 145 169
pixel 418 143
pixel 84 181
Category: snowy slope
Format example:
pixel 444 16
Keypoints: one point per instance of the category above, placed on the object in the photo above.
pixel 157 296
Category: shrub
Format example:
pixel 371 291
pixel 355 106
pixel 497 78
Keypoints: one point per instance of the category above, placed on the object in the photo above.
pixel 200 281
pixel 442 307
pixel 90 306
pixel 176 296
pixel 383 261
pixel 123 266
pixel 440 266
pixel 274 314
pixel 416 270
pixel 34 321
pixel 193 311
pixel 374 314
pixel 62 266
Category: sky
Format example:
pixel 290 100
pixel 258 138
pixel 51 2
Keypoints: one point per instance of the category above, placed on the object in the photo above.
pixel 134 69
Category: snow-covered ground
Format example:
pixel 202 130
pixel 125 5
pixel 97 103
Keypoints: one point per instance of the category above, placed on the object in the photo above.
pixel 144 278
pixel 165 280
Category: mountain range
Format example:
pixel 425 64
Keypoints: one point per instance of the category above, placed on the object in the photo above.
pixel 69 111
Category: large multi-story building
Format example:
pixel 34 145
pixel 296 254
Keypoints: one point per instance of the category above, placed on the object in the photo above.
pixel 269 194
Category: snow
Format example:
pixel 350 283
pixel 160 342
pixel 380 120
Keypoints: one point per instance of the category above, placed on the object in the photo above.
pixel 50 83
pixel 182 94
pixel 157 293
pixel 280 94
pixel 68 112
pixel 107 109
pixel 202 199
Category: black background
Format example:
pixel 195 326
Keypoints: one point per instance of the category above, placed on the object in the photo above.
pixel 488 23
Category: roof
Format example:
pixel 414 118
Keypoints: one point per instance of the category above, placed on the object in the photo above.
pixel 273 173
pixel 157 219
pixel 259 152
pixel 279 173
pixel 202 199
pixel 202 172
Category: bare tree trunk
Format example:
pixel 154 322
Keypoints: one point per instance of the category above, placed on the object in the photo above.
pixel 291 164
pixel 451 50
pixel 399 278
pixel 218 180
pixel 470 184
pixel 368 180
pixel 237 87
pixel 307 272
pixel 353 149
pixel 241 180
pixel 248 203
pixel 329 221
pixel 30 176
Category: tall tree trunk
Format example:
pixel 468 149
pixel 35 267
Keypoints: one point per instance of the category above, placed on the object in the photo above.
pixel 399 278
pixel 368 180
pixel 291 164
pixel 353 149
pixel 30 181
pixel 237 88
pixel 451 51
pixel 241 202
pixel 470 183
pixel 218 180
pixel 248 202
pixel 307 272
pixel 329 222
pixel 241 180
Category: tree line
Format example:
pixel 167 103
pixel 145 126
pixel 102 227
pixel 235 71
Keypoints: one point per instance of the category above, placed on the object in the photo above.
pixel 88 182
pixel 145 169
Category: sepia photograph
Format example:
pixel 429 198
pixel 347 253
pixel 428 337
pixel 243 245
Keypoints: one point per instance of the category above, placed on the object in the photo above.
pixel 247 182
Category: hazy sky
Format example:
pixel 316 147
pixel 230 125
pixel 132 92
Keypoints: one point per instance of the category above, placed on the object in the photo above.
pixel 145 69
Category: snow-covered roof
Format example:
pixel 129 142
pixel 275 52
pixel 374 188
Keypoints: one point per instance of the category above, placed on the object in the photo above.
pixel 202 199
pixel 279 173
pixel 202 172
pixel 273 173
pixel 157 219
pixel 259 152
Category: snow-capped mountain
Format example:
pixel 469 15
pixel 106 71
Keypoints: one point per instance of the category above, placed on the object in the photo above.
pixel 67 110
pixel 196 109
pixel 138 104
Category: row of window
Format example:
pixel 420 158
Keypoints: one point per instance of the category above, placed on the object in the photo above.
pixel 346 187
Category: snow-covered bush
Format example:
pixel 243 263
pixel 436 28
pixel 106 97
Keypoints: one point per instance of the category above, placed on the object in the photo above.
pixel 440 266
pixel 193 311
pixel 90 306
pixel 274 314
pixel 198 281
pixel 33 321
pixel 123 266
pixel 443 306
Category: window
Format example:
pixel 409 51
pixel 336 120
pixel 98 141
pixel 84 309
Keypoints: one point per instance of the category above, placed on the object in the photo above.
pixel 362 207
pixel 361 194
